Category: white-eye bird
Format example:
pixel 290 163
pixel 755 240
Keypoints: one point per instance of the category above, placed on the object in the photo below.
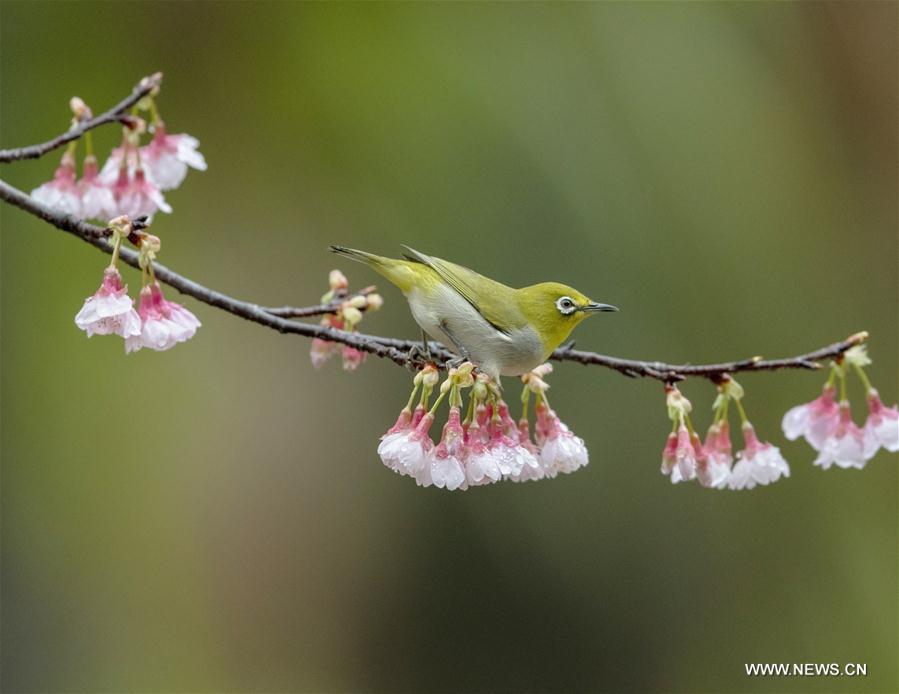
pixel 503 331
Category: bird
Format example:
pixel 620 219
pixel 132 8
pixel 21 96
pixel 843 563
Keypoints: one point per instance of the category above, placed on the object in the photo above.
pixel 501 330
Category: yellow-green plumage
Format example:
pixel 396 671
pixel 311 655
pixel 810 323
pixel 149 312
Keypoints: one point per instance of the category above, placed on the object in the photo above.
pixel 504 331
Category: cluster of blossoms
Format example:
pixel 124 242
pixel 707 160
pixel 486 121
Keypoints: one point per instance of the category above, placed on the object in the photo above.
pixel 132 179
pixel 157 324
pixel 827 423
pixel 346 316
pixel 485 446
pixel 711 462
pixel 824 422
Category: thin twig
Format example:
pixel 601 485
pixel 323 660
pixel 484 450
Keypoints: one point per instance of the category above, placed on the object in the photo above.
pixel 398 350
pixel 321 309
pixel 113 115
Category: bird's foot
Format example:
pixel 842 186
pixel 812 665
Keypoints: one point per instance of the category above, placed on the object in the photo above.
pixel 463 358
pixel 455 362
pixel 418 354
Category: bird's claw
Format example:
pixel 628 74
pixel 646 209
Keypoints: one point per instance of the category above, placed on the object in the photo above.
pixel 455 362
pixel 418 354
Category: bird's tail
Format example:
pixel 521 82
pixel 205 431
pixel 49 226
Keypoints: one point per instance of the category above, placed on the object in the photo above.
pixel 397 271
pixel 359 256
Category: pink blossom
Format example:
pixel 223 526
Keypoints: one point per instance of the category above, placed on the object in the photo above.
pixel 815 420
pixel 110 310
pixel 714 465
pixel 391 442
pixel 418 414
pixel 684 468
pixel 669 454
pixel 352 358
pixel 112 167
pixel 509 427
pixel 97 200
pixel 528 473
pixel 163 323
pixel 881 427
pixel 445 460
pixel 560 449
pixel 480 464
pixel 61 193
pixel 406 449
pixel 321 351
pixel 845 446
pixel 758 463
pixel 167 157
pixel 136 196
pixel 509 455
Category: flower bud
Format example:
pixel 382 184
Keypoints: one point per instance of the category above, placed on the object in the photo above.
pixel 375 302
pixel 429 376
pixel 731 389
pixel 678 405
pixel 533 380
pixel 121 225
pixel 359 302
pixel 154 80
pixel 136 126
pixel 462 376
pixel 857 356
pixel 337 280
pixel 350 314
pixel 80 110
pixel 151 242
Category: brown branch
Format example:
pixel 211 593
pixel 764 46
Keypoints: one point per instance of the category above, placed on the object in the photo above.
pixel 113 115
pixel 670 373
pixel 321 309
pixel 398 350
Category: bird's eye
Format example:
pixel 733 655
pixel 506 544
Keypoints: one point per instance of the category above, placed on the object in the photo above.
pixel 566 305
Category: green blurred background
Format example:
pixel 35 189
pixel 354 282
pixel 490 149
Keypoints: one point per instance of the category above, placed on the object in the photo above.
pixel 215 517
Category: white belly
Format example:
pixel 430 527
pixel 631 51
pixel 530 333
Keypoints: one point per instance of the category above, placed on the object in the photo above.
pixel 495 352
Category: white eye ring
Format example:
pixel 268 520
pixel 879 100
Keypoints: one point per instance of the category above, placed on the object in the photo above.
pixel 566 305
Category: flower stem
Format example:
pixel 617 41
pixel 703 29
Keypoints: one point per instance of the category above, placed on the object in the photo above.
pixel 437 402
pixel 864 377
pixel 689 423
pixel 154 113
pixel 117 244
pixel 525 402
pixel 469 414
pixel 412 396
pixel 743 418
pixel 425 396
pixel 89 143
pixel 843 385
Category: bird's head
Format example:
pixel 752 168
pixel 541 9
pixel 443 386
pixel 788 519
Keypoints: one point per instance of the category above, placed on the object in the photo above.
pixel 554 309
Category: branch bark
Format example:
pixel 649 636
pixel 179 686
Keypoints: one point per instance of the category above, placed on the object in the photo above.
pixel 321 309
pixel 113 115
pixel 397 350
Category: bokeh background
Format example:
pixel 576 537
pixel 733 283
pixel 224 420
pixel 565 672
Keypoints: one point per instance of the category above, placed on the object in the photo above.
pixel 215 518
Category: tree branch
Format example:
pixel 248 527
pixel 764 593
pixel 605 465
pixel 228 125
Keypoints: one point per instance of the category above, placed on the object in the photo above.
pixel 321 309
pixel 115 114
pixel 397 350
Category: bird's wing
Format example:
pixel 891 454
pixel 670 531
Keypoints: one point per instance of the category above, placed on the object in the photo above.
pixel 491 299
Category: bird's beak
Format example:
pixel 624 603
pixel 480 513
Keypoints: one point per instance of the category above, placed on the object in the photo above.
pixel 593 307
